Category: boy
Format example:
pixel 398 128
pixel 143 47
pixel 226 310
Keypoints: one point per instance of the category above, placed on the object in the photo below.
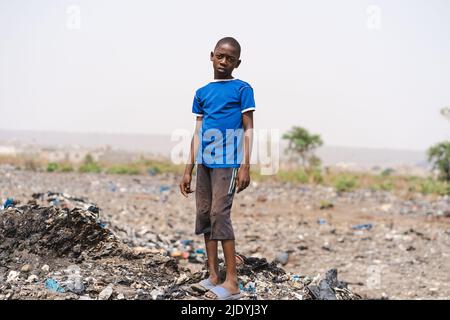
pixel 224 110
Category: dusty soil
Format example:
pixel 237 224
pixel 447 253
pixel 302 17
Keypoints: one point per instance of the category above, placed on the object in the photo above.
pixel 404 254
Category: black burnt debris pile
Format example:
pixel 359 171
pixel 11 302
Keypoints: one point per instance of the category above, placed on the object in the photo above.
pixel 51 231
pixel 56 247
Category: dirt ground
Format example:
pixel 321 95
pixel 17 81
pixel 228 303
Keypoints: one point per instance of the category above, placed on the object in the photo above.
pixel 404 254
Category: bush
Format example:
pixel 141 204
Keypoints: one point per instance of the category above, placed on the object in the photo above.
pixel 387 172
pixel 66 167
pixel 325 204
pixel 123 170
pixel 52 166
pixel 153 170
pixel 345 183
pixel 293 176
pixel 430 186
pixel 439 157
pixel 90 165
pixel 384 185
pixel 316 175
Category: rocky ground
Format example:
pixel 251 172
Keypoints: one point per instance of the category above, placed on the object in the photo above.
pixel 96 236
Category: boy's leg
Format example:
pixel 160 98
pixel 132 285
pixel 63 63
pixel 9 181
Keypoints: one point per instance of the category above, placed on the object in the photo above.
pixel 203 197
pixel 213 263
pixel 231 281
pixel 222 180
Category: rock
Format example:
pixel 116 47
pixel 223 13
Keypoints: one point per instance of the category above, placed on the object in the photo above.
pixel 156 293
pixel 26 268
pixel 106 293
pixel 282 257
pixel 182 279
pixel 32 278
pixel 12 276
pixel 45 268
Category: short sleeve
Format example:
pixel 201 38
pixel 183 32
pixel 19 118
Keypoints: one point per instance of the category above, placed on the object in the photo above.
pixel 247 99
pixel 197 108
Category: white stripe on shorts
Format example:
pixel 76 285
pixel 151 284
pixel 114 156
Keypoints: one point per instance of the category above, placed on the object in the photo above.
pixel 233 181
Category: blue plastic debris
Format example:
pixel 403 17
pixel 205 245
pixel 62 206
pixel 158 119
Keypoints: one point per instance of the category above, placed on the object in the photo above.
pixel 8 203
pixel 94 209
pixel 187 242
pixel 101 224
pixel 250 287
pixel 53 285
pixel 295 278
pixel 200 251
pixel 164 188
pixel 366 226
pixel 321 221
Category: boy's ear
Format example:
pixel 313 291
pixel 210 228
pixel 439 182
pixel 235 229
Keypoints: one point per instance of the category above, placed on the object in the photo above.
pixel 211 56
pixel 238 63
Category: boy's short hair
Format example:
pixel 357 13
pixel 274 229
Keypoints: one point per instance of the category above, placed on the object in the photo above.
pixel 232 41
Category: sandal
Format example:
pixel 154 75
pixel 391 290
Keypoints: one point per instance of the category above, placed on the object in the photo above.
pixel 203 286
pixel 223 294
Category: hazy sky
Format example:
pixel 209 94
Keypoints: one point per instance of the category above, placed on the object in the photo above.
pixel 360 73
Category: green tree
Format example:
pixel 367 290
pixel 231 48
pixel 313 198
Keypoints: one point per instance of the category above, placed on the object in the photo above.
pixel 439 157
pixel 90 165
pixel 303 144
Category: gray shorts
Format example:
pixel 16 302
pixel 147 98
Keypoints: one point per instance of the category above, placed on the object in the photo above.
pixel 214 194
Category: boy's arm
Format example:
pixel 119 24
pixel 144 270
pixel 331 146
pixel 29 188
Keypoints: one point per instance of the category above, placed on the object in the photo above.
pixel 243 177
pixel 185 185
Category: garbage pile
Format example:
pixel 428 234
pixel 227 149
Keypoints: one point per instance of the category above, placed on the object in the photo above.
pixel 52 231
pixel 144 241
pixel 60 252
pixel 259 279
pixel 65 201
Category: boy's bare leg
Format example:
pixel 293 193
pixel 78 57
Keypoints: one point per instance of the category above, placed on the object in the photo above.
pixel 213 263
pixel 231 281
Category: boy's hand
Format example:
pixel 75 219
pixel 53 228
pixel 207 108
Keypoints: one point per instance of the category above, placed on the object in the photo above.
pixel 243 178
pixel 185 185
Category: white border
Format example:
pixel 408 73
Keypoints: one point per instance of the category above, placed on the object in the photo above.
pixel 248 109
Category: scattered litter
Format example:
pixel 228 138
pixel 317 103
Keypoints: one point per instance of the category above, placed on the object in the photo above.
pixel 53 285
pixel 367 226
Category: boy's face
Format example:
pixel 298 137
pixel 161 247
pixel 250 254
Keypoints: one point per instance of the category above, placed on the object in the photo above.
pixel 225 59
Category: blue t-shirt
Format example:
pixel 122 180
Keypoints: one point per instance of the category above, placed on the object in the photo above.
pixel 221 103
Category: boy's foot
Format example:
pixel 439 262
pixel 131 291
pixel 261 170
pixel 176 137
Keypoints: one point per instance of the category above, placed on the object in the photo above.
pixel 223 292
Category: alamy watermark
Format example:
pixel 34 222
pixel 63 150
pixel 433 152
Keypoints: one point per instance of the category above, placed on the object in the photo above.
pixel 373 280
pixel 373 19
pixel 220 148
pixel 73 17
